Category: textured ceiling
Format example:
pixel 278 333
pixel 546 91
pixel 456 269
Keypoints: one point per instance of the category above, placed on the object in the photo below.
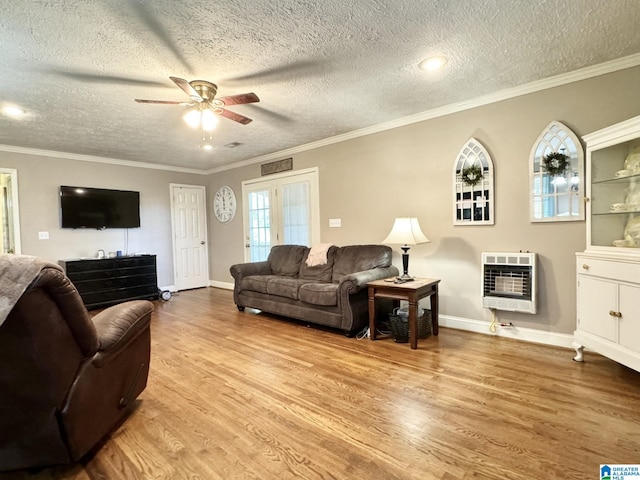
pixel 321 68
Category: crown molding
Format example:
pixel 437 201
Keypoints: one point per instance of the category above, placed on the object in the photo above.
pixel 533 87
pixel 95 159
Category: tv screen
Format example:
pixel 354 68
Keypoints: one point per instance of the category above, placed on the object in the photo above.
pixel 83 207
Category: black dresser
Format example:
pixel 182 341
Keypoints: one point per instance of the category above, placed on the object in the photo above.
pixel 107 281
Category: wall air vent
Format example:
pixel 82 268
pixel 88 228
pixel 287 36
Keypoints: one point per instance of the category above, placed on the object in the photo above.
pixel 509 281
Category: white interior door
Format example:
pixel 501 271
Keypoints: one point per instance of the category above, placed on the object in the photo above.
pixel 189 228
pixel 281 209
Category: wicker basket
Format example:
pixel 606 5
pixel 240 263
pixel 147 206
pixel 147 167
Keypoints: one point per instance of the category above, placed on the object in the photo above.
pixel 399 326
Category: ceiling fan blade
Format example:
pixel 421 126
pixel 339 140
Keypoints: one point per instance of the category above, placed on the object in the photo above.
pixel 187 88
pixel 303 68
pixel 236 117
pixel 270 113
pixel 163 102
pixel 237 99
pixel 150 18
pixel 88 76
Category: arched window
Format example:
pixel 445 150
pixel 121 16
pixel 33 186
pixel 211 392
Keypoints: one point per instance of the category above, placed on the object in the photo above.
pixel 556 175
pixel 473 186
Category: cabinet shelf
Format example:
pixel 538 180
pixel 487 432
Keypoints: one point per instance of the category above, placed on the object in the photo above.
pixel 625 212
pixel 618 180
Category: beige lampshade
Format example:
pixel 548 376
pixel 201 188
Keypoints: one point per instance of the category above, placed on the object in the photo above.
pixel 406 231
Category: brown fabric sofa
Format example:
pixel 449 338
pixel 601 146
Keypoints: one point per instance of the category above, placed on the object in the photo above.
pixel 333 294
pixel 66 379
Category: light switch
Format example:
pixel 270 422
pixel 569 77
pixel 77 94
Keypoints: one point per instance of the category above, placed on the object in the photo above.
pixel 43 235
pixel 335 222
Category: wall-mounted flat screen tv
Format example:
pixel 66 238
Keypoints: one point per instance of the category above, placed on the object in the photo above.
pixel 83 207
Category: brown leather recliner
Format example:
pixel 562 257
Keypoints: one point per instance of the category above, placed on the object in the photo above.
pixel 66 379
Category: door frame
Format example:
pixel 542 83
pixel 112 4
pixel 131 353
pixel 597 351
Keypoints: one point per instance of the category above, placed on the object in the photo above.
pixel 173 230
pixel 13 175
pixel 314 208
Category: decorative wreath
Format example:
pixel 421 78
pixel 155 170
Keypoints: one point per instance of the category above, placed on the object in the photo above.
pixel 471 175
pixel 555 163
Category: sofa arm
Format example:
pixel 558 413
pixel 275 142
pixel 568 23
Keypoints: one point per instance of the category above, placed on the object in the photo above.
pixel 241 270
pixel 118 326
pixel 354 282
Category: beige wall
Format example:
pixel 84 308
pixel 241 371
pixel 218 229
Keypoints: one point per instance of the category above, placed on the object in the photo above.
pixel 39 180
pixel 369 181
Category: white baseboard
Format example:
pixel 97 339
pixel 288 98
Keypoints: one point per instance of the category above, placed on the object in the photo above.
pixel 171 288
pixel 525 334
pixel 224 285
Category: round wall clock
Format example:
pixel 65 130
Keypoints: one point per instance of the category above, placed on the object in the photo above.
pixel 224 204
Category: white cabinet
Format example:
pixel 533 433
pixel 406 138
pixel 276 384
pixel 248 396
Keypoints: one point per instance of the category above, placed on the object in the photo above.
pixel 608 308
pixel 608 272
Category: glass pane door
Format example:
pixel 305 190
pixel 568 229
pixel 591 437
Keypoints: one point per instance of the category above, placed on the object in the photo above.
pixel 295 213
pixel 259 229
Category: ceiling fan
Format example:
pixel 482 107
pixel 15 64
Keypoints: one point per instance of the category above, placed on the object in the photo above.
pixel 202 94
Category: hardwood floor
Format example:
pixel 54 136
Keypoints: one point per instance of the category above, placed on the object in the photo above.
pixel 236 395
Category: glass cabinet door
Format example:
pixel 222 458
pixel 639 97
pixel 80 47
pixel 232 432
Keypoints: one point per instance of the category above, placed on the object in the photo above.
pixel 615 195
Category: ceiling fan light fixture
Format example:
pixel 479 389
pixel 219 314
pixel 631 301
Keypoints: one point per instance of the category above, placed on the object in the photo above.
pixel 192 117
pixel 431 64
pixel 209 120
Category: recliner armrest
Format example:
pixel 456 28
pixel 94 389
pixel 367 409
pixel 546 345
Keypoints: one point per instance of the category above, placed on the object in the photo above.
pixel 118 326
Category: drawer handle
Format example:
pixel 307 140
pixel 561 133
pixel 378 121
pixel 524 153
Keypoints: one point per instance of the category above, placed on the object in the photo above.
pixel 615 314
pixel 585 266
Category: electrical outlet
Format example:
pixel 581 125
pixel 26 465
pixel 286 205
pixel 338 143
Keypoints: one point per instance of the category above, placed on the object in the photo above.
pixel 43 235
pixel 335 222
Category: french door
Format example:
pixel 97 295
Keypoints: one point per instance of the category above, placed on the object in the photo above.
pixel 283 209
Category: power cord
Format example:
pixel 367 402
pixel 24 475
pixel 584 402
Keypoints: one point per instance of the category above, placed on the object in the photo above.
pixel 364 333
pixel 492 326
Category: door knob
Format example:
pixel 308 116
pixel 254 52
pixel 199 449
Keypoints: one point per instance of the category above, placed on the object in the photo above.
pixel 202 242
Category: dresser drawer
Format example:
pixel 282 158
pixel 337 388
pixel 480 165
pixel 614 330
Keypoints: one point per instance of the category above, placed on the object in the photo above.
pixel 114 283
pixel 619 270
pixel 110 297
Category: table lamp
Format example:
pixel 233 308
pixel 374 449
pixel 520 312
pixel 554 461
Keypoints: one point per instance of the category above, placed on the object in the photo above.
pixel 406 231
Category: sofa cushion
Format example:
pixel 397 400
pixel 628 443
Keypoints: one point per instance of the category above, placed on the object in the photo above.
pixel 357 258
pixel 285 259
pixel 318 273
pixel 284 286
pixel 319 293
pixel 255 283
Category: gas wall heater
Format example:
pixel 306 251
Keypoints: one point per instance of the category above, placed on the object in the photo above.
pixel 509 281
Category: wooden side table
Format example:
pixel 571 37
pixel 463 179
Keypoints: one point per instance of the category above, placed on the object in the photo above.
pixel 411 292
